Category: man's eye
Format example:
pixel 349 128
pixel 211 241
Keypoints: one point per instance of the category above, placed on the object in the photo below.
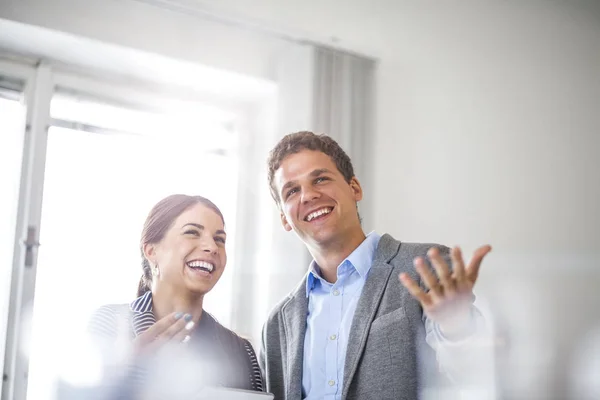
pixel 291 192
pixel 320 179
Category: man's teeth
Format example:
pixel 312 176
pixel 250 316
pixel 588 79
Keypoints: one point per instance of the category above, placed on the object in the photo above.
pixel 201 264
pixel 318 213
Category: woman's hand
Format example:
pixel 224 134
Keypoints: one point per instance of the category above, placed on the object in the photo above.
pixel 174 328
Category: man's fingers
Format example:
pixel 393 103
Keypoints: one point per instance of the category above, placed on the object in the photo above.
pixel 472 270
pixel 458 264
pixel 441 268
pixel 428 277
pixel 414 289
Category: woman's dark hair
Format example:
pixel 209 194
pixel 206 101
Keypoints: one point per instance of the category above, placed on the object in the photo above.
pixel 159 221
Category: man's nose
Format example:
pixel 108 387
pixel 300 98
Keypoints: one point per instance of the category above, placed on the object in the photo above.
pixel 309 194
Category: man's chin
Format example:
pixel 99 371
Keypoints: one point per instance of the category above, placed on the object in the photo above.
pixel 323 237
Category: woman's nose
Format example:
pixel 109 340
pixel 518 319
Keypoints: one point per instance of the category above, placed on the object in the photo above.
pixel 209 246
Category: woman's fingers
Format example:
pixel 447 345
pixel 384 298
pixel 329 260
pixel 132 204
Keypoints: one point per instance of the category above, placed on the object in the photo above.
pixel 173 327
pixel 160 326
pixel 183 335
pixel 184 324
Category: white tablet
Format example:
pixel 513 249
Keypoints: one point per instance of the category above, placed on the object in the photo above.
pixel 217 393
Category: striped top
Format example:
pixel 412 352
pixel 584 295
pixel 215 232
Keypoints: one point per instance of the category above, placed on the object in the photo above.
pixel 215 355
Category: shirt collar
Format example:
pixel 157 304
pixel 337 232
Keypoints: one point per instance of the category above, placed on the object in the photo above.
pixel 360 259
pixel 142 304
pixel 312 278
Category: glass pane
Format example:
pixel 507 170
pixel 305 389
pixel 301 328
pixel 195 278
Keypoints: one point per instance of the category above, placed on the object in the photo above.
pixel 98 190
pixel 12 128
pixel 178 120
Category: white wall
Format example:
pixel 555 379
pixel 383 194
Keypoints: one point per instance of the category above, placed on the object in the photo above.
pixel 488 127
pixel 140 26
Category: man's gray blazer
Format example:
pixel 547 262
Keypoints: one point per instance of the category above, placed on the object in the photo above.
pixel 387 357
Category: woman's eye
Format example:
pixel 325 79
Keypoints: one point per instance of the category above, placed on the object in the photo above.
pixel 192 232
pixel 220 240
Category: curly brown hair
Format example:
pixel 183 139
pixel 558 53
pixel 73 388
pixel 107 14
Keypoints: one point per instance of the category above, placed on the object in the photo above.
pixel 305 140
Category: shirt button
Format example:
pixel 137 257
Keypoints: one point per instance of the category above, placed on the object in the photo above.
pixel 336 292
pixel 333 337
pixel 331 383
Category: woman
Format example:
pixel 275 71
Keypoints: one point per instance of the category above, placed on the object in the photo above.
pixel 163 344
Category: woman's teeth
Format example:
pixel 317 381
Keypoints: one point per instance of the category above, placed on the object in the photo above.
pixel 201 265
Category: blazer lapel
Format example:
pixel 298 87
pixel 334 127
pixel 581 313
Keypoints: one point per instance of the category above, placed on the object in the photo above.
pixel 294 322
pixel 364 315
pixel 367 306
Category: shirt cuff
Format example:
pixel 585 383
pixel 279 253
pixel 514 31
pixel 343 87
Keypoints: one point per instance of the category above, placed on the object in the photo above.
pixel 475 325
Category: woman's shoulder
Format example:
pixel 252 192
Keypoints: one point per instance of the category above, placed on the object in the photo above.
pixel 226 333
pixel 220 328
pixel 245 350
pixel 109 319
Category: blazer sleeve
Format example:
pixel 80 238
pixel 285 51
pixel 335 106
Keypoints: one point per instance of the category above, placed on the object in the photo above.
pixel 466 360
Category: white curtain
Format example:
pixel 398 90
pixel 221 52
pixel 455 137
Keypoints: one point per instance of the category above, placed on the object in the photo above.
pixel 343 107
pixel 320 90
pixel 269 262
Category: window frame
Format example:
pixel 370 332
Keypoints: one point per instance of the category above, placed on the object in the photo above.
pixel 42 79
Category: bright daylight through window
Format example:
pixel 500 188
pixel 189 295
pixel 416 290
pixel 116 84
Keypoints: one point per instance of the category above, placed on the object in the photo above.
pixel 106 167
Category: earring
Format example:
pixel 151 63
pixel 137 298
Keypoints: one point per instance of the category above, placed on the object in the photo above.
pixel 155 270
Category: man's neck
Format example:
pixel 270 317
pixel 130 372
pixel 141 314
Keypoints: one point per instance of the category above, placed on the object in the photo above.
pixel 167 300
pixel 329 256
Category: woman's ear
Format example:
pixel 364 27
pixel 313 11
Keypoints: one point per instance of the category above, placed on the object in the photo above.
pixel 149 252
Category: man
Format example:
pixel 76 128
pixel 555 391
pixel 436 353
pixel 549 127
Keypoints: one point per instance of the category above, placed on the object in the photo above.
pixel 362 323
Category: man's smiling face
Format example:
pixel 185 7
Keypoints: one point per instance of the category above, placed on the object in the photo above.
pixel 315 199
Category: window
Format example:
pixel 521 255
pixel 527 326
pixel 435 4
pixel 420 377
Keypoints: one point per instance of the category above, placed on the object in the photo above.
pixel 12 126
pixel 85 161
pixel 106 166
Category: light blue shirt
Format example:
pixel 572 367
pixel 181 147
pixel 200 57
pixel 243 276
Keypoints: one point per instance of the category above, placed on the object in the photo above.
pixel 331 308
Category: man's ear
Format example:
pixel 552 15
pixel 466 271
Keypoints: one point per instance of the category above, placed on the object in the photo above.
pixel 356 189
pixel 285 223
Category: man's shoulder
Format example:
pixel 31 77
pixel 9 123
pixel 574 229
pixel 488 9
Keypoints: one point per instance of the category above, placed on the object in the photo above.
pixel 399 253
pixel 275 314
